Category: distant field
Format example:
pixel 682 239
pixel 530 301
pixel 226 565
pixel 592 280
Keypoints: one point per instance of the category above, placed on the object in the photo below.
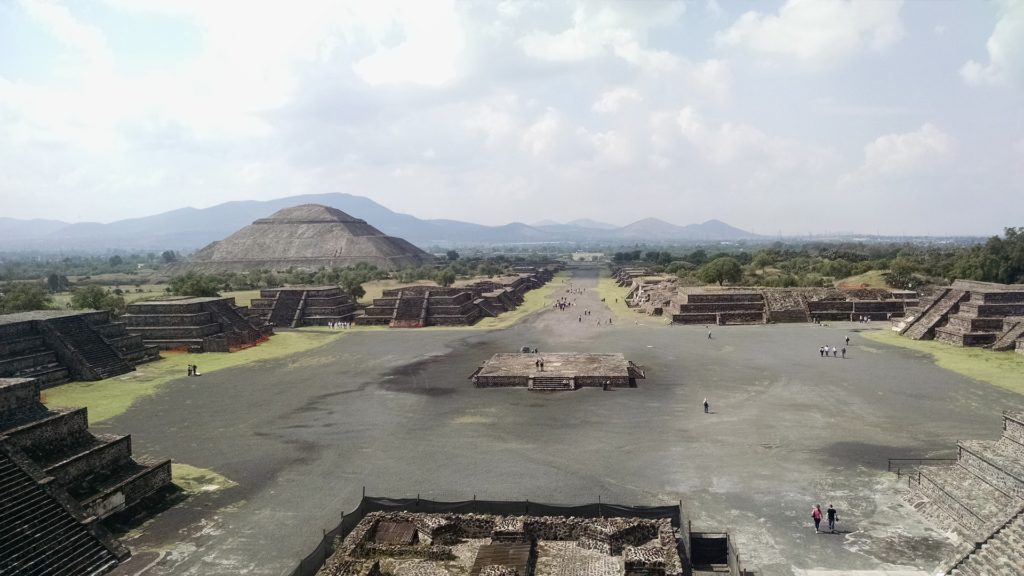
pixel 148 292
pixel 869 279
pixel 242 297
pixel 1004 369
pixel 376 288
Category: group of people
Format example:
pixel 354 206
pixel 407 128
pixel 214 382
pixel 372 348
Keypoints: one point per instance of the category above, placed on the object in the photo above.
pixel 539 364
pixel 563 303
pixel 831 514
pixel 826 350
pixel 193 370
pixel 336 325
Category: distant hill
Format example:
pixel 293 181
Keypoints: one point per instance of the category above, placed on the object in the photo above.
pixel 188 229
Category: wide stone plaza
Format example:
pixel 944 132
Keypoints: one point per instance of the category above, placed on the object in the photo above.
pixel 299 437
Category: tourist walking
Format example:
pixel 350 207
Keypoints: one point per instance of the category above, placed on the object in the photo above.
pixel 821 351
pixel 816 516
pixel 847 340
pixel 189 369
pixel 707 407
pixel 844 352
pixel 835 353
pixel 833 517
pixel 709 334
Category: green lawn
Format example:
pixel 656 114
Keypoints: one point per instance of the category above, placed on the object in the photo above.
pixel 611 292
pixel 108 398
pixel 1004 369
pixel 869 279
pixel 242 297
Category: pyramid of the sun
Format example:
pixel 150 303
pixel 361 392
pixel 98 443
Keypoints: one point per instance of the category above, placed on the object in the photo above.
pixel 308 237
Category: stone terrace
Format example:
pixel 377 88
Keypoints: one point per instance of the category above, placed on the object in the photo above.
pixel 561 371
pixel 196 324
pixel 722 308
pixel 980 495
pixel 296 306
pixel 420 306
pixel 969 314
pixel 97 471
pixel 55 346
pixel 471 544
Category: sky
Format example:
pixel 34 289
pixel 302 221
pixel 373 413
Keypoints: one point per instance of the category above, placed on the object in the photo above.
pixel 792 117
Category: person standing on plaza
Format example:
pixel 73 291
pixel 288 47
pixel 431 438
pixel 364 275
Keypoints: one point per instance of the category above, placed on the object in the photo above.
pixel 707 407
pixel 833 517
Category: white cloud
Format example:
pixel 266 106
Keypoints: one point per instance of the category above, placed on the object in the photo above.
pixel 541 136
pixel 817 32
pixel 898 154
pixel 1005 49
pixel 613 100
pixel 427 55
pixel 600 28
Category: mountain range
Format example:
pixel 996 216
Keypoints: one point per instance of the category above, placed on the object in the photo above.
pixel 187 229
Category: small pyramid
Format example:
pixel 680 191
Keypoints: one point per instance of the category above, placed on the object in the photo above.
pixel 309 236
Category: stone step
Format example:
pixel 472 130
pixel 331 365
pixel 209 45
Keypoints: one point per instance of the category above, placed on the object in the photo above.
pixel 996 463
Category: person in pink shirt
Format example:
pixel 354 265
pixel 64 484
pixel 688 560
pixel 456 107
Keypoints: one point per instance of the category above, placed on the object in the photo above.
pixel 816 516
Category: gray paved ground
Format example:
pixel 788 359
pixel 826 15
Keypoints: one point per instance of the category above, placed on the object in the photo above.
pixel 394 411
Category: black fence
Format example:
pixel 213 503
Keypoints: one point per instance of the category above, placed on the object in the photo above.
pixel 316 559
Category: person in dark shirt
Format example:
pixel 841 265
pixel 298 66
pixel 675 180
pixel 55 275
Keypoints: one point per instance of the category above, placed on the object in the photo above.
pixel 833 516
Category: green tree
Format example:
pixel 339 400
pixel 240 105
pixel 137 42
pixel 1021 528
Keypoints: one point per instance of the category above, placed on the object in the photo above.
pixel 445 278
pixel 452 255
pixel 96 298
pixel 115 260
pixel 721 270
pixel 168 256
pixel 24 296
pixel 56 282
pixel 352 282
pixel 762 260
pixel 194 284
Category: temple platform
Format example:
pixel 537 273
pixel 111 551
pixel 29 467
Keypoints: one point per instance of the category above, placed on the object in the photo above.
pixel 560 371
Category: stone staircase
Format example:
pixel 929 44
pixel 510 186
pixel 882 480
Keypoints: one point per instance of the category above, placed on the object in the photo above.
pixel 98 471
pixel 551 383
pixel 39 534
pixel 923 327
pixel 100 357
pixel 1002 554
pixel 1013 330
pixel 982 498
pixel 411 311
pixel 285 306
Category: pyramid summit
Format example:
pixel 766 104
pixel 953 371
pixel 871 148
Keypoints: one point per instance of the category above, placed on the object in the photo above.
pixel 308 236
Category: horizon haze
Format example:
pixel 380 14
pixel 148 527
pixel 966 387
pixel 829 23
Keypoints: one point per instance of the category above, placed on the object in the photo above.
pixel 786 117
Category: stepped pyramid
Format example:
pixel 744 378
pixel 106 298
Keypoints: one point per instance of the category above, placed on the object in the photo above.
pixel 307 237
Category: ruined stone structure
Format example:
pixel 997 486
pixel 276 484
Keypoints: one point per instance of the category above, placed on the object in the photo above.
pixel 307 237
pixel 969 314
pixel 56 346
pixel 491 545
pixel 722 308
pixel 561 371
pixel 296 306
pixel 44 531
pixel 196 324
pixel 96 471
pixel 419 306
pixel 982 498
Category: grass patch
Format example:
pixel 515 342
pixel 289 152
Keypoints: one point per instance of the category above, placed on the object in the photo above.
pixel 375 288
pixel 242 297
pixel 614 296
pixel 1003 369
pixel 108 398
pixel 869 279
pixel 198 480
pixel 533 301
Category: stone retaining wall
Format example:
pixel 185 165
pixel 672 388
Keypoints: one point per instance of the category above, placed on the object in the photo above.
pixel 101 457
pixel 50 432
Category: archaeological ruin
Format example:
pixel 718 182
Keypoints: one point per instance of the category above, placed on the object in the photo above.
pixel 59 480
pixel 306 237
pixel 295 306
pixel 420 306
pixel 969 313
pixel 543 540
pixel 980 497
pixel 202 324
pixel 554 371
pixel 55 346
pixel 657 296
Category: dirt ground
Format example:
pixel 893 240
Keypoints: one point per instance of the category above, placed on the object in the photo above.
pixel 394 411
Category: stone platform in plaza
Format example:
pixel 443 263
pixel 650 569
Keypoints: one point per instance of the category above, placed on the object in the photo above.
pixel 561 371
